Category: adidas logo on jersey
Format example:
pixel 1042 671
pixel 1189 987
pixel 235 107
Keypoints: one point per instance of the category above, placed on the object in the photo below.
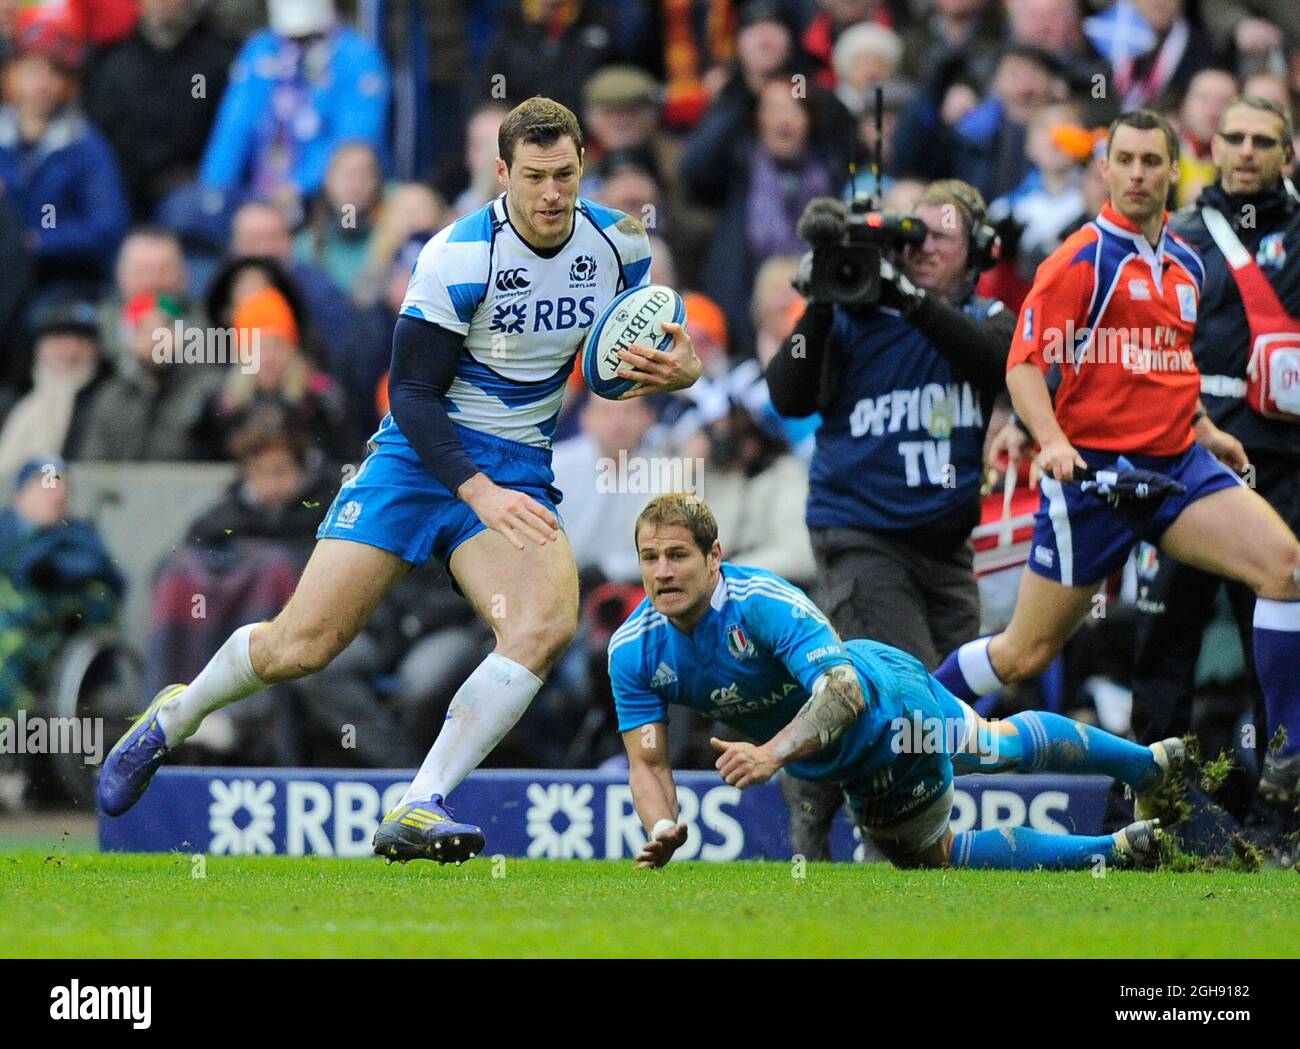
pixel 664 676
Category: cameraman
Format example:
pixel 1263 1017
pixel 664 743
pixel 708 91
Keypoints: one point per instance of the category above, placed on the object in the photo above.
pixel 905 386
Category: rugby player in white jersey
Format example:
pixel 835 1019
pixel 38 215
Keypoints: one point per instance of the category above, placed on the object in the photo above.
pixel 494 316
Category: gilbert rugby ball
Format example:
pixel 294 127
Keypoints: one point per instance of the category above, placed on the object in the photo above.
pixel 634 318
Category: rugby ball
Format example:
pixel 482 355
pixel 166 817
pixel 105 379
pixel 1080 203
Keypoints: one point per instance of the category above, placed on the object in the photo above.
pixel 634 318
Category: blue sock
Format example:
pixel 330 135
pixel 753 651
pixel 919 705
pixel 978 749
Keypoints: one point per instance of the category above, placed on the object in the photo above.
pixel 968 672
pixel 1022 849
pixel 1046 742
pixel 1277 664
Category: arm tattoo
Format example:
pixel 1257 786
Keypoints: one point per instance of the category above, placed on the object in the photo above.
pixel 835 704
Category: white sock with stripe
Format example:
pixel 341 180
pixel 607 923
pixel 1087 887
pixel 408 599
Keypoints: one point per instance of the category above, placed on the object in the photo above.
pixel 483 710
pixel 229 676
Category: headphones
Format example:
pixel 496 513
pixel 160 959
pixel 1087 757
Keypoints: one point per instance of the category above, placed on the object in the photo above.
pixel 984 244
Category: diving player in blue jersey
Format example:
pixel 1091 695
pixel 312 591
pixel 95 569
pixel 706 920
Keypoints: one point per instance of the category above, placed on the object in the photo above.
pixel 495 313
pixel 744 647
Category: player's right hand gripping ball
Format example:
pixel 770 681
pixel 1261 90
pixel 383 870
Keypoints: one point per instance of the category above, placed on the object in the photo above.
pixel 634 318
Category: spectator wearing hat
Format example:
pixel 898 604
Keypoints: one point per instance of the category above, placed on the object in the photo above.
pixel 67 371
pixel 141 94
pixel 149 409
pixel 297 91
pixel 56 169
pixel 279 375
pixel 259 230
pixel 621 107
pixel 56 579
pixel 709 330
pixel 548 47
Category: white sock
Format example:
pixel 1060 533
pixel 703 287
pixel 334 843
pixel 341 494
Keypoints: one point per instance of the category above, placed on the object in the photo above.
pixel 228 676
pixel 483 710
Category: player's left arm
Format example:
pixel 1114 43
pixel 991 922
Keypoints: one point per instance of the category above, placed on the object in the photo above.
pixel 1219 443
pixel 786 622
pixel 655 371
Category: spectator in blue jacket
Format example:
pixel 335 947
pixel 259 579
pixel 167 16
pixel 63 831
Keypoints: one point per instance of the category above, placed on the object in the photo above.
pixel 297 91
pixel 56 578
pixel 56 170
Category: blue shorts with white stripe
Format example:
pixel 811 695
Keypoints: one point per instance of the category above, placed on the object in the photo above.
pixel 1080 538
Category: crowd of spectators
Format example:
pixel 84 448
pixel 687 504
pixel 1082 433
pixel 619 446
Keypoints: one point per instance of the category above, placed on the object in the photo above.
pixel 172 166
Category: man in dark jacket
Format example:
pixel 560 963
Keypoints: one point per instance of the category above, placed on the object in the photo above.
pixel 548 48
pixel 1250 150
pixel 905 388
pixel 155 97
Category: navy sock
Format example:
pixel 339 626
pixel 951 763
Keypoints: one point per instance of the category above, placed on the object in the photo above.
pixel 1277 663
pixel 968 672
pixel 1022 849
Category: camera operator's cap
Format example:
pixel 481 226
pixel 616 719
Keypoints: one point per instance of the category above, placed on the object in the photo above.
pixel 299 18
pixel 66 317
pixel 53 32
pixel 34 467
pixel 621 87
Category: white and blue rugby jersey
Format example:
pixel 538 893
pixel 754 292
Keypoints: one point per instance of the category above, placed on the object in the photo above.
pixel 751 663
pixel 523 313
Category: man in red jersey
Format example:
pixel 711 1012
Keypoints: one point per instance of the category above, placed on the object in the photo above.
pixel 1111 316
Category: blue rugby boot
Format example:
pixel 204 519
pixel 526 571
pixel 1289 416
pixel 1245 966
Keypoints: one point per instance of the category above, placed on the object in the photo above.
pixel 130 766
pixel 425 830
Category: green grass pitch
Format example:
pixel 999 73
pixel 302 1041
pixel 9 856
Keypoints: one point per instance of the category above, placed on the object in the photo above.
pixel 85 904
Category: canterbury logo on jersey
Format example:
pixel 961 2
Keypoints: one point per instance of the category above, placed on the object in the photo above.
pixel 513 280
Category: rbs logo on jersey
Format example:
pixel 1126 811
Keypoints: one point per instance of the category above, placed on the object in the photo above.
pixel 548 315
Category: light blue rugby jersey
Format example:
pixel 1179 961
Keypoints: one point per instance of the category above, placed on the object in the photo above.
pixel 751 663
pixel 523 314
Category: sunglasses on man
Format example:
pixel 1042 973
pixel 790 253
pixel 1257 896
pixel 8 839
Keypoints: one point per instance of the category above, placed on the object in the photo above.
pixel 1260 142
